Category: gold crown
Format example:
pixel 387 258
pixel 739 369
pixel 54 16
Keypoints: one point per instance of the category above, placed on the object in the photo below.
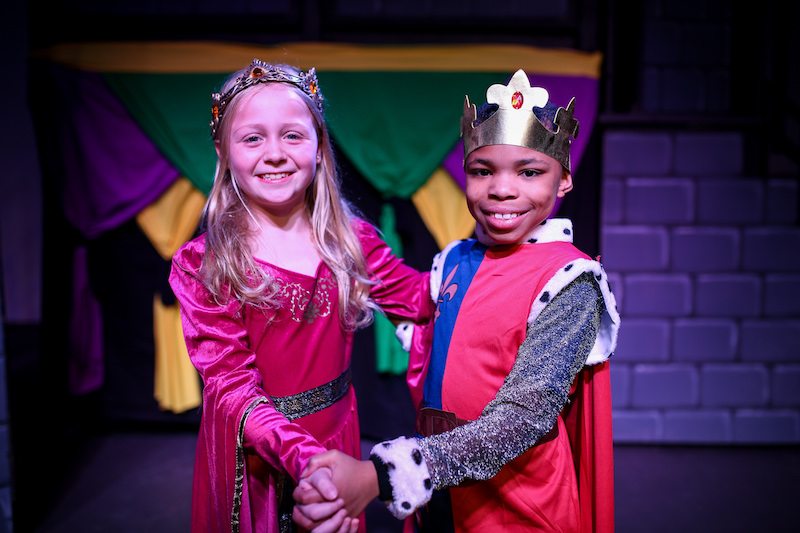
pixel 262 72
pixel 515 123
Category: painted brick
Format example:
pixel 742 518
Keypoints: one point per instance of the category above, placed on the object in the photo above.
pixel 682 90
pixel 728 295
pixel 706 11
pixel 718 89
pixel 659 201
pixel 703 44
pixel 674 385
pixel 766 427
pixel 651 89
pixel 785 385
pixel 615 283
pixel 643 340
pixel 611 205
pixel 5 505
pixel 708 154
pixel 636 426
pixel 620 384
pixel 772 249
pixel 782 295
pixel 782 166
pixel 731 201
pixel 3 391
pixel 774 340
pixel 661 41
pixel 700 339
pixel 658 295
pixel 635 248
pixel 697 426
pixel 636 153
pixel 696 249
pixel 738 385
pixel 5 452
pixel 782 201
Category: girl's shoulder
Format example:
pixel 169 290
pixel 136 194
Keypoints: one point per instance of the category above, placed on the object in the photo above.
pixel 363 228
pixel 190 254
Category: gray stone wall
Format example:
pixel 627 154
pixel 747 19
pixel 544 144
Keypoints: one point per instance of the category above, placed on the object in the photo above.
pixel 705 262
pixel 700 234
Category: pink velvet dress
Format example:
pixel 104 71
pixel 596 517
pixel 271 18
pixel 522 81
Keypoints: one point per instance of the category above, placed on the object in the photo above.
pixel 251 359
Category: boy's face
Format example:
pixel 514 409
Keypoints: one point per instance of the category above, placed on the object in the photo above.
pixel 511 190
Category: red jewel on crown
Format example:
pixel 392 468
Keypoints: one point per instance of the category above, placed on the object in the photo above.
pixel 257 72
pixel 312 88
pixel 516 100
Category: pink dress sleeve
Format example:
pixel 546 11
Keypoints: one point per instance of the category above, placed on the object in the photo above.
pixel 219 348
pixel 401 291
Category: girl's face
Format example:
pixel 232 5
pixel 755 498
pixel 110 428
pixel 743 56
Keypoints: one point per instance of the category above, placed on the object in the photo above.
pixel 511 190
pixel 273 149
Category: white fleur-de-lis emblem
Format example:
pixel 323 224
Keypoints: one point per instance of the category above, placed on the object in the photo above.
pixel 518 94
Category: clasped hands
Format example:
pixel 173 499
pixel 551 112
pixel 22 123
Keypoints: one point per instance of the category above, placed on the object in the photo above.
pixel 333 491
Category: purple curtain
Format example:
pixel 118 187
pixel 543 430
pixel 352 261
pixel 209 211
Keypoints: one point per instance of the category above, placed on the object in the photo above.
pixel 111 172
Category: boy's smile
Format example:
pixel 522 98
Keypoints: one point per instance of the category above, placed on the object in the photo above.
pixel 511 190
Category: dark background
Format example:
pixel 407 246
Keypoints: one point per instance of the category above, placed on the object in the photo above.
pixel 709 87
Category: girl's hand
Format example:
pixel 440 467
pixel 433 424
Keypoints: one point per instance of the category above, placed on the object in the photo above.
pixel 356 482
pixel 318 494
pixel 338 523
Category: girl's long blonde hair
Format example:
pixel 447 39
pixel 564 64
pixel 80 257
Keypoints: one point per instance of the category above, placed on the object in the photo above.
pixel 229 270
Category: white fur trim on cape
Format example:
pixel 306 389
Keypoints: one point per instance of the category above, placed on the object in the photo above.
pixel 551 230
pixel 404 333
pixel 609 323
pixel 408 475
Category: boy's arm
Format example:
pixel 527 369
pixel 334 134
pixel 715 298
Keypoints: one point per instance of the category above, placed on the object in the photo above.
pixel 523 411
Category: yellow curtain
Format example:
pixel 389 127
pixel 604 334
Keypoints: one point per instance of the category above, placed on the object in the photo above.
pixel 176 383
pixel 168 223
pixel 443 208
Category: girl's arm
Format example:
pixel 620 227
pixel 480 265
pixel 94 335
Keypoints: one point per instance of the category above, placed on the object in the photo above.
pixel 233 396
pixel 402 292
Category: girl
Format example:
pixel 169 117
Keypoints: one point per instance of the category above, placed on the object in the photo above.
pixel 270 296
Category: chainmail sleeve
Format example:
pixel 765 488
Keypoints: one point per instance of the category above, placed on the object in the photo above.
pixel 533 394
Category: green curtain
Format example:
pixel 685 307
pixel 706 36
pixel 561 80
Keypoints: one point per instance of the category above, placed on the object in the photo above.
pixel 396 127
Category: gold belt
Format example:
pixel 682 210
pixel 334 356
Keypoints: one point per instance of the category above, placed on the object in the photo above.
pixel 313 400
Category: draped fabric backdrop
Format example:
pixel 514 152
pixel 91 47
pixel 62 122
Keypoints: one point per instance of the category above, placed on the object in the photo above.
pixel 134 148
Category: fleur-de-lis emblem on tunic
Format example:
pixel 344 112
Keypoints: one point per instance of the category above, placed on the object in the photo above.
pixel 448 289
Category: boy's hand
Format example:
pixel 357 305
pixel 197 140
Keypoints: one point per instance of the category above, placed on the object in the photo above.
pixel 356 483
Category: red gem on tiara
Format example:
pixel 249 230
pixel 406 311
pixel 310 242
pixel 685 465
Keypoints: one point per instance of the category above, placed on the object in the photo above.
pixel 516 100
pixel 257 72
pixel 312 87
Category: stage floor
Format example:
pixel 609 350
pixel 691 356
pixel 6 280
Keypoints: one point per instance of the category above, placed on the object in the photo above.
pixel 140 481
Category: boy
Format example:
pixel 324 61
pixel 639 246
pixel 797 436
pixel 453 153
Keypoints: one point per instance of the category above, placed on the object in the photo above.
pixel 511 381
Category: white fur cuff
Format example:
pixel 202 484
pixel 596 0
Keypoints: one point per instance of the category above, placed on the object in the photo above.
pixel 408 475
